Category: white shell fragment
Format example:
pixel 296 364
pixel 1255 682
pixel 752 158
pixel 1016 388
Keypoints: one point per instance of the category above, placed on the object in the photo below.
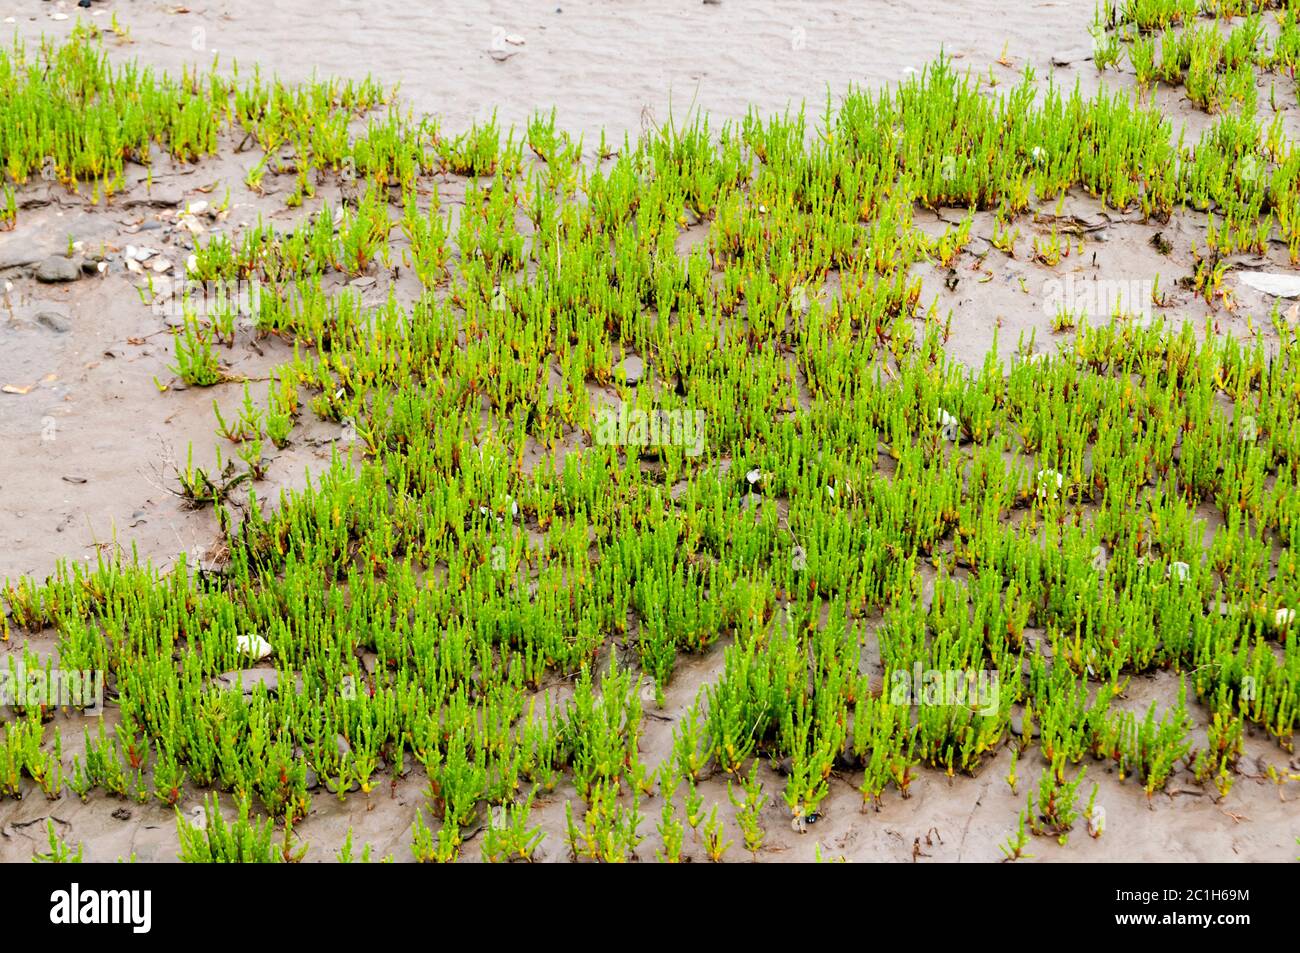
pixel 949 426
pixel 1096 821
pixel 1248 429
pixel 510 503
pixel 1049 483
pixel 1272 283
pixel 253 646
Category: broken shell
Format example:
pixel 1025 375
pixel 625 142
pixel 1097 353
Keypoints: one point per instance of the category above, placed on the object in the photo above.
pixel 1046 478
pixel 510 503
pixel 1271 283
pixel 649 691
pixel 949 426
pixel 254 646
pixel 1096 820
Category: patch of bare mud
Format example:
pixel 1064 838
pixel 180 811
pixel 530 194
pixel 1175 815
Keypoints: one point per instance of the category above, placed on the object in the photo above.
pixel 93 419
pixel 602 65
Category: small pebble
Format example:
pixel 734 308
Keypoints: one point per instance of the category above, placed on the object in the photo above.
pixel 54 322
pixel 633 367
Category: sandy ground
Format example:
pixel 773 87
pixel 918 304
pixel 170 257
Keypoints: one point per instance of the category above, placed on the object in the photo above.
pixel 89 438
pixel 597 62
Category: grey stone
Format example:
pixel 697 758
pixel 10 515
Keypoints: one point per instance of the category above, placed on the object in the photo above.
pixel 248 679
pixel 333 786
pixel 1066 57
pixel 58 268
pixel 158 197
pixel 54 321
pixel 633 367
pixel 1017 725
pixel 20 256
